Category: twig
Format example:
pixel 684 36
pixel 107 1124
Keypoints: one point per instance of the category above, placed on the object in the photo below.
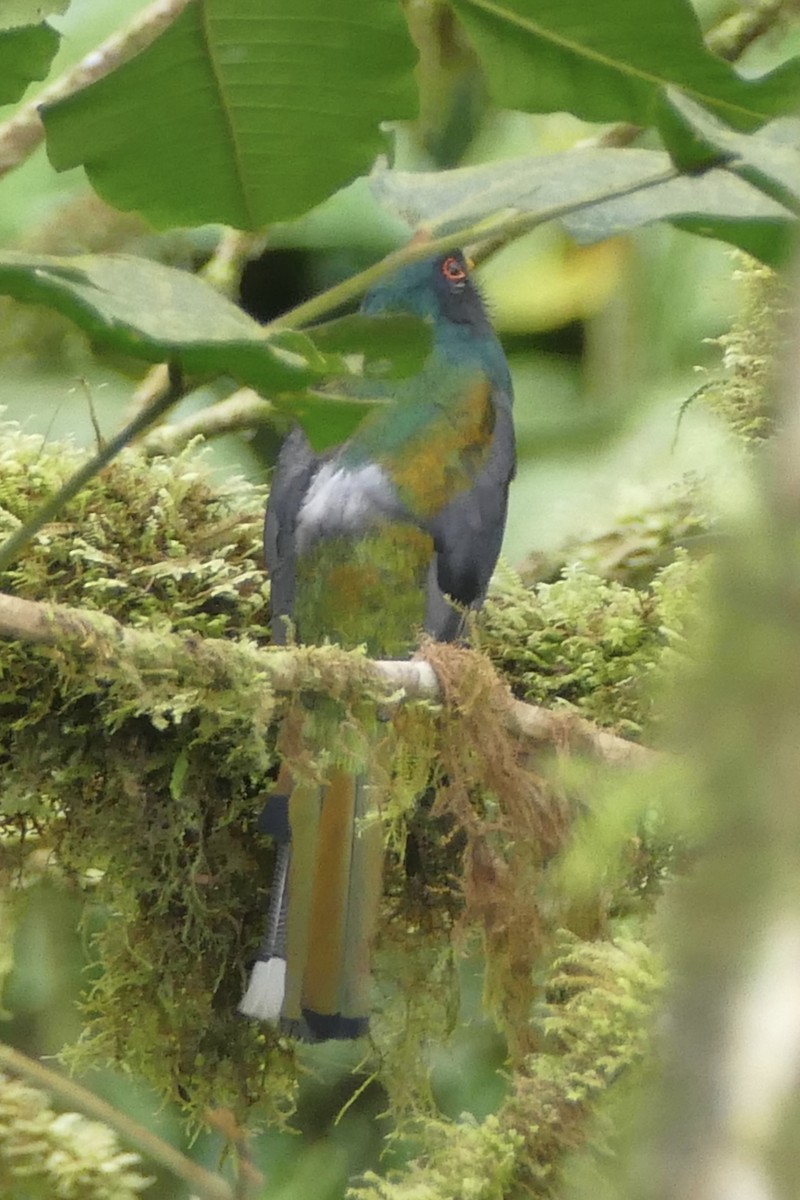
pixel 728 40
pixel 420 247
pixel 244 409
pixel 249 1180
pixel 20 136
pixel 223 271
pixel 288 670
pixel 22 536
pixel 203 1183
pixel 735 34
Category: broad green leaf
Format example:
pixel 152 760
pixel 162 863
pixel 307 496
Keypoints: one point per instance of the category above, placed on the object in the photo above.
pixel 25 55
pixel 155 313
pixel 717 203
pixel 29 12
pixel 609 61
pixel 243 112
pixel 390 346
pixel 770 158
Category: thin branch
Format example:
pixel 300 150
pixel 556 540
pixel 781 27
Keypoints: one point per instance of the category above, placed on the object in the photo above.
pixel 244 409
pixel 422 245
pixel 203 1183
pixel 13 545
pixel 736 33
pixel 223 271
pixel 728 40
pixel 20 136
pixel 288 670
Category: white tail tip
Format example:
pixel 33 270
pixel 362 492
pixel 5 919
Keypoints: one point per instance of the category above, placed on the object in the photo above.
pixel 263 999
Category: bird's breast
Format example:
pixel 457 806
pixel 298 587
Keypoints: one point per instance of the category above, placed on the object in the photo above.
pixel 366 590
pixel 344 501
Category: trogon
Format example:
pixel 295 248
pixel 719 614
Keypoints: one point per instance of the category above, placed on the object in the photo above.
pixel 394 532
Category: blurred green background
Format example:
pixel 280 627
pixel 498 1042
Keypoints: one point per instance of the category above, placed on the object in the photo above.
pixel 606 343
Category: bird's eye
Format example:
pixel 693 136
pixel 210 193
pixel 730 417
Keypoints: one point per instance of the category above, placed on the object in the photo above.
pixel 453 270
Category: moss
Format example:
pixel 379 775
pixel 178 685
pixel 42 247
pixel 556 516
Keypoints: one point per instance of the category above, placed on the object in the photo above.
pixel 647 534
pixel 744 395
pixel 146 782
pixel 594 1023
pixel 466 1159
pixel 46 1155
pixel 149 788
pixel 589 642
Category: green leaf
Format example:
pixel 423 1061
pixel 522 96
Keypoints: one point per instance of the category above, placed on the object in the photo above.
pixel 391 346
pixel 770 159
pixel 718 202
pixel 243 112
pixel 155 312
pixel 327 418
pixel 609 62
pixel 25 54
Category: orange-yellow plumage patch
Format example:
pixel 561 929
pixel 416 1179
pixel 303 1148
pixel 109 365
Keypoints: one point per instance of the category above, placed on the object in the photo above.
pixel 442 459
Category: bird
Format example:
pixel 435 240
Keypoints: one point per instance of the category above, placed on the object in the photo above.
pixel 392 533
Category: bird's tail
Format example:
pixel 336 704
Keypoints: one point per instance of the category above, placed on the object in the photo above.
pixel 313 971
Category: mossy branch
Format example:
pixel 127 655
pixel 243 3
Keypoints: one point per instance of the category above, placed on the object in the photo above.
pixel 347 674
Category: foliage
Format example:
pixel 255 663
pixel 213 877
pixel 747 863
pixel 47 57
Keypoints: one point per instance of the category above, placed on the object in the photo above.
pixel 172 769
pixel 27 44
pixel 142 775
pixel 594 1020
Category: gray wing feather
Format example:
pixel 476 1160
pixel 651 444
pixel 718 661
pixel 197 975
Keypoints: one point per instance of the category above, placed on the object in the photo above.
pixel 468 533
pixel 296 467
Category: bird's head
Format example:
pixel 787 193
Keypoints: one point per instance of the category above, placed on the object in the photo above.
pixel 439 288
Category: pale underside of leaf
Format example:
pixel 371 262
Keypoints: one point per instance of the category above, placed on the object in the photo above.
pixel 447 201
pixel 770 157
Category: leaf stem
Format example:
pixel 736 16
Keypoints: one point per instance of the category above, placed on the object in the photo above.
pixel 508 225
pixel 203 1183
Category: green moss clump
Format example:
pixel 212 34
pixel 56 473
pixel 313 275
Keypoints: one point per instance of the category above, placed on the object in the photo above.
pixel 468 1159
pixel 146 789
pixel 588 642
pixel 594 1023
pixel 647 535
pixel 150 542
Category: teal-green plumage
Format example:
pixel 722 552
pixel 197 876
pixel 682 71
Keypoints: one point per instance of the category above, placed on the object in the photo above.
pixel 394 532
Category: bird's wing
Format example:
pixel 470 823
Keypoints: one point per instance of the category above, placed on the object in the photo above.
pixel 296 467
pixel 468 533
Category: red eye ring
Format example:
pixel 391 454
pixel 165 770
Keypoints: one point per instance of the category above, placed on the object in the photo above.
pixel 453 270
